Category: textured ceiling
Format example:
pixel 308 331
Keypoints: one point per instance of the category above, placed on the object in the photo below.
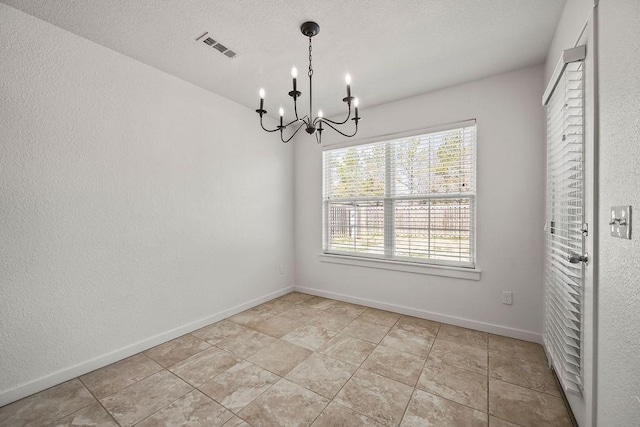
pixel 392 49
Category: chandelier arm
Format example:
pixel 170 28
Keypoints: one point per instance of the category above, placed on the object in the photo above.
pixel 325 120
pixel 294 134
pixel 342 133
pixel 319 137
pixel 295 107
pixel 296 120
pixel 292 122
pixel 275 130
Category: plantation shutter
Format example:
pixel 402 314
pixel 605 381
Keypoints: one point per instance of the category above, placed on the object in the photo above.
pixel 407 199
pixel 564 237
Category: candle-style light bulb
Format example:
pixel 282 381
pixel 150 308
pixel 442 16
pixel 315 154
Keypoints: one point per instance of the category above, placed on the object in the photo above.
pixel 320 121
pixel 281 111
pixel 356 102
pixel 261 100
pixel 294 74
pixel 320 113
pixel 347 79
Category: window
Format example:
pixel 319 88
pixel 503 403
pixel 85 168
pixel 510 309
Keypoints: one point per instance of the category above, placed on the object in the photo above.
pixel 407 199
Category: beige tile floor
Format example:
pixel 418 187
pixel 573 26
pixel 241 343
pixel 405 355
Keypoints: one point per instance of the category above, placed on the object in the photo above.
pixel 306 360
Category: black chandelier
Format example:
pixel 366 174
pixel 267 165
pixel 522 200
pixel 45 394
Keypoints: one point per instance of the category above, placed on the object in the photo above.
pixel 312 124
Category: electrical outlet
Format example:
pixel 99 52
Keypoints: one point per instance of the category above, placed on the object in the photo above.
pixel 507 297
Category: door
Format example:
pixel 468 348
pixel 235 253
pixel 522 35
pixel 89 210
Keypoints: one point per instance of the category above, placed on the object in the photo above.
pixel 566 231
pixel 571 246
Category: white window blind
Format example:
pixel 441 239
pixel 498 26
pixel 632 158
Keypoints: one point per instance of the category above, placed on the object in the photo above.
pixel 564 210
pixel 408 199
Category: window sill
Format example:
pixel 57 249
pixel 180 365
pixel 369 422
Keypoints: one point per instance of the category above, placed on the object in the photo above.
pixel 408 267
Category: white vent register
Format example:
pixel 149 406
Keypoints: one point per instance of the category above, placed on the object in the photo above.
pixel 208 40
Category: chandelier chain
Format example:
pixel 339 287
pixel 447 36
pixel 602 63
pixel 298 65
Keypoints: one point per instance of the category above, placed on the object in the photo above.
pixel 310 58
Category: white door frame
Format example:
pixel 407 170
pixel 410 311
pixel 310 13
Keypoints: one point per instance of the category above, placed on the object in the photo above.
pixel 590 314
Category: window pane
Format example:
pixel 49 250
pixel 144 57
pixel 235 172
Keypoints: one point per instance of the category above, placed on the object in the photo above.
pixel 433 229
pixel 441 162
pixel 355 171
pixel 356 227
pixel 450 229
pixel 414 166
pixel 412 224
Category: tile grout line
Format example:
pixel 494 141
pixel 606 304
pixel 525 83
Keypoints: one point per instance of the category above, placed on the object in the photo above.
pixel 184 379
pixel 300 385
pixel 360 367
pixel 404 413
pixel 414 388
pixel 450 400
pixel 97 400
pixel 351 376
pixel 129 385
pixel 282 377
pixel 253 364
pixel 243 360
pixel 220 403
pixel 503 419
pixel 77 410
pixel 466 370
pixel 512 383
pixel 172 365
pixel 525 387
pixel 406 407
pixel 172 402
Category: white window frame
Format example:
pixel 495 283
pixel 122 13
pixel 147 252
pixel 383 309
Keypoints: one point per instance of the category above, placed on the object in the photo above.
pixel 427 266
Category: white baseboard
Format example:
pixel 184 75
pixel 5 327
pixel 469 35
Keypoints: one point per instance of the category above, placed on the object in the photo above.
pixel 424 314
pixel 31 387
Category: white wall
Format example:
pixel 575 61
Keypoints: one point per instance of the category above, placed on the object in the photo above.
pixel 510 213
pixel 573 19
pixel 132 204
pixel 619 284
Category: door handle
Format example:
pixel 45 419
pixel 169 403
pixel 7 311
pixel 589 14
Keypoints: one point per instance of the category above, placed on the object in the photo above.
pixel 575 258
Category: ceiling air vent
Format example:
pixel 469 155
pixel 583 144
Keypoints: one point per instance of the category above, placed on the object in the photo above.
pixel 210 42
pixel 220 47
